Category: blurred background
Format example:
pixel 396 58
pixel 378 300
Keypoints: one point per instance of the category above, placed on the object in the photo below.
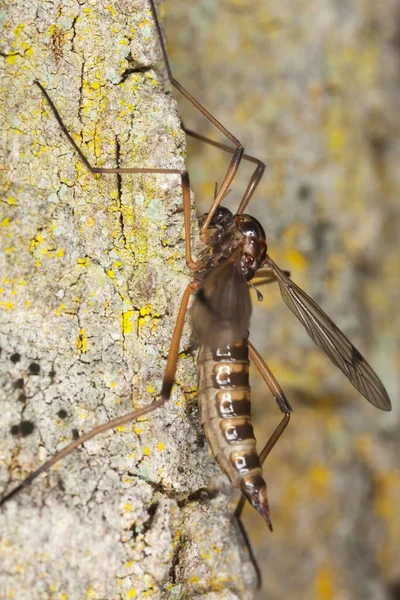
pixel 312 89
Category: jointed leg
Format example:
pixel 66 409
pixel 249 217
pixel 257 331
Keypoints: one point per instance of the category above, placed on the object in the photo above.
pixel 269 276
pixel 185 183
pixel 249 547
pixel 237 153
pixel 270 380
pixel 283 404
pixel 168 380
pixel 256 176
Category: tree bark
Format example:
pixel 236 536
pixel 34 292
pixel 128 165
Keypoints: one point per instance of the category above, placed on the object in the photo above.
pixel 312 88
pixel 92 271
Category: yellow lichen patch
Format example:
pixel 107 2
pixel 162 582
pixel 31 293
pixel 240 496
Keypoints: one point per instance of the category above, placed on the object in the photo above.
pixel 121 428
pixel 83 262
pixel 81 342
pixel 59 309
pixel 145 310
pixel 38 239
pixel 18 29
pixel 160 446
pixel 60 253
pixel 146 451
pixel 11 60
pixel 131 593
pixel 28 49
pixel 324 584
pixel 387 488
pixel 111 274
pixel 319 478
pixel 5 222
pixel 145 317
pixel 219 584
pixel 127 321
pixel 293 258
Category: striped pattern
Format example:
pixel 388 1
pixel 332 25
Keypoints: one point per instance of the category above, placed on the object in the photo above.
pixel 224 400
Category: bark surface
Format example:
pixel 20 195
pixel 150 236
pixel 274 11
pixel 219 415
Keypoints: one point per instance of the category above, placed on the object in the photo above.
pixel 312 88
pixel 92 272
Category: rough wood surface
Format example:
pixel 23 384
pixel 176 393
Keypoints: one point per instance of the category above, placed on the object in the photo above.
pixel 92 271
pixel 312 88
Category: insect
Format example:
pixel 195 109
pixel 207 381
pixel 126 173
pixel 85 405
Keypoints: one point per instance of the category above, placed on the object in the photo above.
pixel 236 252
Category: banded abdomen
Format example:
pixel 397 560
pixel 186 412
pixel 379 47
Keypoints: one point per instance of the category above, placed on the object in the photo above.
pixel 225 413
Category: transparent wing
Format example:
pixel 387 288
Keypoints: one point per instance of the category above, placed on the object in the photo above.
pixel 333 342
pixel 222 307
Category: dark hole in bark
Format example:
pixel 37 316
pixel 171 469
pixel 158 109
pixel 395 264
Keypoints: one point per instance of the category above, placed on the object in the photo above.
pixel 34 368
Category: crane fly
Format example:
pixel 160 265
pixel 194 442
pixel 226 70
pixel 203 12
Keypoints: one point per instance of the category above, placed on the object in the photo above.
pixel 235 252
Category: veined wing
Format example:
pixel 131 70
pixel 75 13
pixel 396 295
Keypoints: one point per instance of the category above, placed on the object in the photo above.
pixel 333 342
pixel 222 307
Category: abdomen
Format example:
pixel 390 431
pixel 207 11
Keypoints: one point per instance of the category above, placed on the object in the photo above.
pixel 224 399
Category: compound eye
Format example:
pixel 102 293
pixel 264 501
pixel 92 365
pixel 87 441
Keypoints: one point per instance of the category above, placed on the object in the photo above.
pixel 249 228
pixel 221 217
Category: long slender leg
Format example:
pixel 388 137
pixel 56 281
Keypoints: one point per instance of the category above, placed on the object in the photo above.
pixel 269 275
pixel 283 404
pixel 256 176
pixel 271 382
pixel 168 380
pixel 237 153
pixel 250 550
pixel 185 183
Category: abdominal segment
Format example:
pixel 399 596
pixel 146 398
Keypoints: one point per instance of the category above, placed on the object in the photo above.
pixel 224 399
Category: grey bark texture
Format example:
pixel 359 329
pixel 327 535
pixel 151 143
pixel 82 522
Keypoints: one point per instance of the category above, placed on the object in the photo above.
pixel 313 89
pixel 92 272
